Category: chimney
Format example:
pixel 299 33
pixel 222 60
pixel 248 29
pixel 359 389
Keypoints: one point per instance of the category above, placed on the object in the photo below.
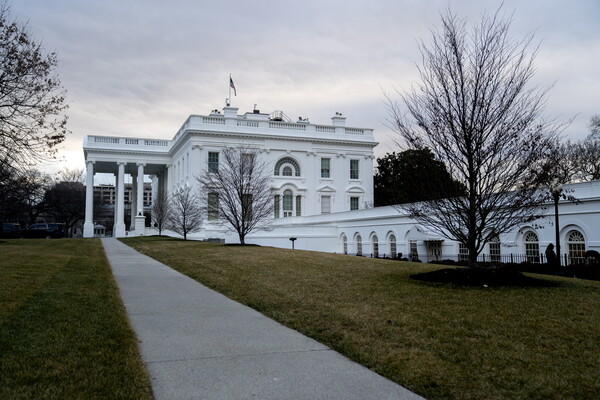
pixel 338 119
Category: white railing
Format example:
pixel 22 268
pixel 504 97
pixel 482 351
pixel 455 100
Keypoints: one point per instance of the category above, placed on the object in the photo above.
pixel 104 139
pixel 287 125
pixel 214 120
pixel 325 129
pixel 251 124
pixel 355 131
pixel 129 141
pixel 156 142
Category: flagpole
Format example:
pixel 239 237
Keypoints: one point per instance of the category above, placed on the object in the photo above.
pixel 229 84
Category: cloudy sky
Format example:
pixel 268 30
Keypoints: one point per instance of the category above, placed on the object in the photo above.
pixel 139 67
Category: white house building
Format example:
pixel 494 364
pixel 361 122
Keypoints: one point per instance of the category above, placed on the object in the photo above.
pixel 315 168
pixel 322 189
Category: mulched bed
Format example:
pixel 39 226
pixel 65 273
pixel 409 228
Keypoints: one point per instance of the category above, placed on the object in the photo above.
pixel 482 277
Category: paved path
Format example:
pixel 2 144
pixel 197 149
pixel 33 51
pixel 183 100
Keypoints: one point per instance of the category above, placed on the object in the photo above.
pixel 199 344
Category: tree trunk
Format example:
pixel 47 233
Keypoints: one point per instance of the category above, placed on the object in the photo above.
pixel 242 238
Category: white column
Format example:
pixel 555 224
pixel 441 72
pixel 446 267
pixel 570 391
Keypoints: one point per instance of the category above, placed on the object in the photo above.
pixel 88 225
pixel 116 196
pixel 140 189
pixel 133 201
pixel 120 223
pixel 140 220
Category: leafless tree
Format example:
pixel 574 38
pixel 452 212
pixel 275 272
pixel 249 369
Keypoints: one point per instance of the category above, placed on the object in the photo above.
pixel 32 120
pixel 594 127
pixel 186 215
pixel 161 210
pixel 239 191
pixel 65 199
pixel 476 110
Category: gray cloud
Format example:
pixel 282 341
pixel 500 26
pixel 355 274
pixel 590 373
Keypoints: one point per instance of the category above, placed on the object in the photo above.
pixel 139 68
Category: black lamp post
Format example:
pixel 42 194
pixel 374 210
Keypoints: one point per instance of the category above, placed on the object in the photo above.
pixel 292 239
pixel 556 190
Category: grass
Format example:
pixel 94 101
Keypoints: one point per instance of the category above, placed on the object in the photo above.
pixel 63 329
pixel 442 342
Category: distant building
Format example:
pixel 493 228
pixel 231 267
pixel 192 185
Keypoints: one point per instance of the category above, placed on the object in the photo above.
pixel 107 194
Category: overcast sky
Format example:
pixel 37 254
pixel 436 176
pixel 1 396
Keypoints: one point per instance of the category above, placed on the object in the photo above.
pixel 139 68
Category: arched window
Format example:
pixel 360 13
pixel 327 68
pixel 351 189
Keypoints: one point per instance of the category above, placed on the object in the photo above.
pixel 576 245
pixel 288 203
pixel 532 247
pixel 344 244
pixel 392 244
pixel 375 246
pixel 287 166
pixel 358 241
pixel 494 244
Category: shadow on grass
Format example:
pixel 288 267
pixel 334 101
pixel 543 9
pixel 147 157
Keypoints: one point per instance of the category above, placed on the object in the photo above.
pixel 483 277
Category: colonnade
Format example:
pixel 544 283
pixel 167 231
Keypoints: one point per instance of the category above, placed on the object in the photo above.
pixel 137 201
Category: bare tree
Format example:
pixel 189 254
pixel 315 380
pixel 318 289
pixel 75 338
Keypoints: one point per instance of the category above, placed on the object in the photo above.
pixel 186 215
pixel 65 199
pixel 161 210
pixel 32 122
pixel 594 127
pixel 476 111
pixel 239 191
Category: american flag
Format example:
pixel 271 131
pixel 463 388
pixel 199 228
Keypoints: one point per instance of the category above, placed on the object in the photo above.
pixel 231 85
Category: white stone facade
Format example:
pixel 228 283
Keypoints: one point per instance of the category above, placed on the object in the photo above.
pixel 384 231
pixel 328 172
pixel 325 168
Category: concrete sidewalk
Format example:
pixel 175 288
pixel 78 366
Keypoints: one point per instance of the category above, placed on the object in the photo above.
pixel 198 344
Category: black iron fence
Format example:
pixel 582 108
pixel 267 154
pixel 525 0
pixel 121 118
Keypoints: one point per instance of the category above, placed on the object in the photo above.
pixel 487 258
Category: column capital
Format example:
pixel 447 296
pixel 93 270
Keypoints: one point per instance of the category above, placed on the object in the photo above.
pixel 143 164
pixel 196 146
pixel 122 163
pixel 89 162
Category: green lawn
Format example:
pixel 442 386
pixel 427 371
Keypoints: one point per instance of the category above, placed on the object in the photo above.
pixel 63 329
pixel 437 340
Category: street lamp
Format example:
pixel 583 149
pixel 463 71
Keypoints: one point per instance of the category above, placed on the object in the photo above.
pixel 556 189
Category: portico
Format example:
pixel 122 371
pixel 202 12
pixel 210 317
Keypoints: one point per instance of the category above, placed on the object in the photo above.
pixel 134 157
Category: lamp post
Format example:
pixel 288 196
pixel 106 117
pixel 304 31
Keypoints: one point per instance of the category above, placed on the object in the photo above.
pixel 556 190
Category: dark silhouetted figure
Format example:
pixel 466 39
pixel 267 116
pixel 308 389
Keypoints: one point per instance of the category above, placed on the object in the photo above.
pixel 550 255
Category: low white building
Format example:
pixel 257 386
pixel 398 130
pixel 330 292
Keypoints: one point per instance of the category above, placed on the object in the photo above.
pixel 325 174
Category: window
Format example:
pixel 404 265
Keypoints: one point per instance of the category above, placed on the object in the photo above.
pixel 353 169
pixel 276 206
pixel 325 171
pixel 414 253
pixel 576 245
pixel 393 252
pixel 375 246
pixel 247 206
pixel 247 163
pixel 532 247
pixel 325 204
pixel 434 249
pixel 288 203
pixel 293 165
pixel 213 206
pixel 213 162
pixel 353 203
pixel 495 249
pixel 298 205
pixel 287 171
pixel 463 252
pixel 345 244
pixel 358 241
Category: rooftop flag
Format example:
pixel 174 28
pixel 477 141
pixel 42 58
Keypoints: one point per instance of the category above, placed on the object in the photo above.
pixel 232 86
